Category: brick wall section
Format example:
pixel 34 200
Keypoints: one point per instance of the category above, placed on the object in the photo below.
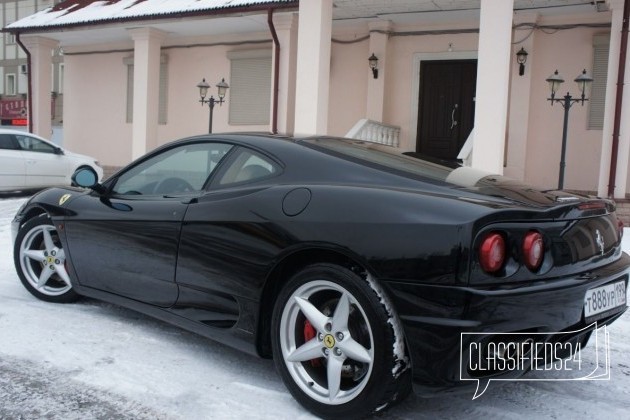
pixel 623 211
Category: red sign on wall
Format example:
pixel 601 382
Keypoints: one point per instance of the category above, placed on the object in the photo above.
pixel 13 108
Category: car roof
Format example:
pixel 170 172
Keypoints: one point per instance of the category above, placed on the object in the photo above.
pixel 270 143
pixel 22 133
pixel 13 131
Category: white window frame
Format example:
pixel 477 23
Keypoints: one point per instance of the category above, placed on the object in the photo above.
pixel 62 71
pixel 9 38
pixel 10 86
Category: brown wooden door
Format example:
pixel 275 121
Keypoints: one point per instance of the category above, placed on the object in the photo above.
pixel 446 111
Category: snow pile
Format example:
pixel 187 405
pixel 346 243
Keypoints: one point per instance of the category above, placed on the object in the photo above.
pixel 101 11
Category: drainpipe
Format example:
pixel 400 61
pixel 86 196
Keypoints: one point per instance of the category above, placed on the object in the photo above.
pixel 276 72
pixel 618 100
pixel 29 83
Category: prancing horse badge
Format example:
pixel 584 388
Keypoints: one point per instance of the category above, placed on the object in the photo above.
pixel 64 198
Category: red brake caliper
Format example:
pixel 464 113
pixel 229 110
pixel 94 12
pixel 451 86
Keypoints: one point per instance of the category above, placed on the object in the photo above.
pixel 309 334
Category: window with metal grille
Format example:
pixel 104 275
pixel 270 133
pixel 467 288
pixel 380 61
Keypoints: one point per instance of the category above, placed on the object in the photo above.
pixel 163 99
pixel 250 87
pixel 601 46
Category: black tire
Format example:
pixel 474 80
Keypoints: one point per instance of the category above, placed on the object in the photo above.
pixel 309 351
pixel 37 242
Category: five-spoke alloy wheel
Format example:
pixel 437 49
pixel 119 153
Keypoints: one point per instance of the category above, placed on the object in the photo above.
pixel 332 343
pixel 40 261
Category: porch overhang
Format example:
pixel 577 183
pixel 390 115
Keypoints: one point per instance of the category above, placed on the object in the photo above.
pixel 112 28
pixel 76 22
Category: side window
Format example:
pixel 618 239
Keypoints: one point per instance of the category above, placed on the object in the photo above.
pixel 178 170
pixel 7 142
pixel 248 166
pixel 32 144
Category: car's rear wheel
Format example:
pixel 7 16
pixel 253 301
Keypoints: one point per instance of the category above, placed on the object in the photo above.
pixel 333 344
pixel 40 261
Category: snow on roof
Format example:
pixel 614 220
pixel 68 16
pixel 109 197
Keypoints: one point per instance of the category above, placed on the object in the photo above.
pixel 85 12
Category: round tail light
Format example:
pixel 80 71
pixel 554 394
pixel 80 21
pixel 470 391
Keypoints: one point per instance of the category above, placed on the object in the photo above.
pixel 533 250
pixel 492 253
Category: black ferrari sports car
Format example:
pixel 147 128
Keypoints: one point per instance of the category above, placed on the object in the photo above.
pixel 357 268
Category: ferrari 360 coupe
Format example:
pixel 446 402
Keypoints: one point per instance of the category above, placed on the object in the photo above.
pixel 356 267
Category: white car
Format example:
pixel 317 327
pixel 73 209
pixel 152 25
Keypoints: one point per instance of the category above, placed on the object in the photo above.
pixel 31 162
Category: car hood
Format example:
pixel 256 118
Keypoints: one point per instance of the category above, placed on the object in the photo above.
pixel 78 156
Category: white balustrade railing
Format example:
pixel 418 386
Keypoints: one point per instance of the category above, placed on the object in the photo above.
pixel 375 132
pixel 465 154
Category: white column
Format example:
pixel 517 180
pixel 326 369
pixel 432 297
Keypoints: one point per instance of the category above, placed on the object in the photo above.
pixel 146 88
pixel 520 92
pixel 493 80
pixel 379 35
pixel 41 49
pixel 286 28
pixel 609 112
pixel 313 67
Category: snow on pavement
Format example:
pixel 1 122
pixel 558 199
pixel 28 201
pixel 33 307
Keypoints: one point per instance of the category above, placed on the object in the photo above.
pixel 93 360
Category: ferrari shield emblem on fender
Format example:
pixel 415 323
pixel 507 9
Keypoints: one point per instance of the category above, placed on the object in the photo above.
pixel 64 198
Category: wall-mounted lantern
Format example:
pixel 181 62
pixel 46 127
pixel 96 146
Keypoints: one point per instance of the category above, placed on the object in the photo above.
pixel 521 59
pixel 373 60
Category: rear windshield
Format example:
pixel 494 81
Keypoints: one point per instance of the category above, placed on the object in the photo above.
pixel 366 152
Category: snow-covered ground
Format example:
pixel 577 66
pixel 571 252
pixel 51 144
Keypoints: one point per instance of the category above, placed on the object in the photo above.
pixel 92 360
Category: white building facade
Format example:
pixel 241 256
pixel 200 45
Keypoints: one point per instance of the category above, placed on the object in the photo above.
pixel 14 68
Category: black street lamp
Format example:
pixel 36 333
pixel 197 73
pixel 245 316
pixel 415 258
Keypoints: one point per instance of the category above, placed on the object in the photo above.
pixel 222 88
pixel 555 80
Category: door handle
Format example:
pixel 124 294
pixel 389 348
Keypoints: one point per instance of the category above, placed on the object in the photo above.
pixel 192 200
pixel 184 199
pixel 453 120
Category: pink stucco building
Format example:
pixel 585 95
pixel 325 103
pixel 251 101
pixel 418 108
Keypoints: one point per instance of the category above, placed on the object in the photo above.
pixel 301 67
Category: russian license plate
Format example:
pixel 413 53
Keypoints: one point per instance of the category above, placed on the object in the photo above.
pixel 604 298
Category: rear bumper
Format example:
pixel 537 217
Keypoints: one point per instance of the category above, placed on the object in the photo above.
pixel 434 318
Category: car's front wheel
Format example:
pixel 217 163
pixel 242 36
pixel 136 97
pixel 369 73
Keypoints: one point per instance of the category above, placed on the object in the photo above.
pixel 333 343
pixel 40 261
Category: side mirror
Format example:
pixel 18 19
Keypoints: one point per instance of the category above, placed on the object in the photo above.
pixel 87 178
pixel 59 151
